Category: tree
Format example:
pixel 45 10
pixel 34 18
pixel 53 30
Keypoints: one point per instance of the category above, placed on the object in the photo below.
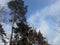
pixel 18 13
pixel 22 34
pixel 41 39
pixel 2 34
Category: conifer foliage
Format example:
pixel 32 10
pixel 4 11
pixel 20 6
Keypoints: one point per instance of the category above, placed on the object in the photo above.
pixel 2 34
pixel 23 34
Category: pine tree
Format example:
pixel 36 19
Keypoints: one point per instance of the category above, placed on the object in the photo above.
pixel 2 34
pixel 23 34
pixel 37 38
pixel 18 13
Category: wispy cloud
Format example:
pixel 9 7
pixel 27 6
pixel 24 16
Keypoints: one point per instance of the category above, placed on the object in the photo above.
pixel 46 21
pixel 3 2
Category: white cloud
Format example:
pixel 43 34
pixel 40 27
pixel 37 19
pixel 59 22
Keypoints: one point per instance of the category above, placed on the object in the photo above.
pixel 53 9
pixel 1 42
pixel 42 25
pixel 56 41
pixel 3 2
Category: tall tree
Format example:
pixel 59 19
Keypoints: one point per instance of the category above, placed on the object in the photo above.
pixel 18 13
pixel 22 34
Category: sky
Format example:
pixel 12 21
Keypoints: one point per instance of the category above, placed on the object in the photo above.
pixel 44 15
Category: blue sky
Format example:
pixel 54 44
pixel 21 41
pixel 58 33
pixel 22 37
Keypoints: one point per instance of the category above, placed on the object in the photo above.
pixel 34 5
pixel 45 16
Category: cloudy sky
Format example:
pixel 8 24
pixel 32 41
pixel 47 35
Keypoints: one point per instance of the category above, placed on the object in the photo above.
pixel 45 16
